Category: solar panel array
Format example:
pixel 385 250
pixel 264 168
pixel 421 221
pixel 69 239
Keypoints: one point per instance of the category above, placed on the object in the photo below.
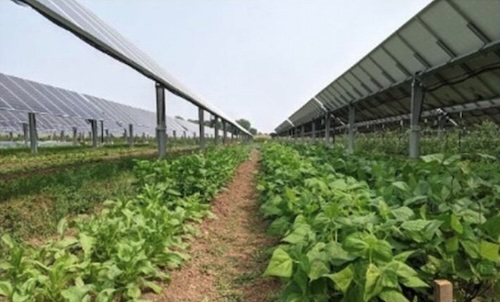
pixel 86 25
pixel 59 109
pixel 453 46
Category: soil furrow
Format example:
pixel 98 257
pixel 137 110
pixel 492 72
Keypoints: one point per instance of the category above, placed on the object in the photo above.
pixel 229 254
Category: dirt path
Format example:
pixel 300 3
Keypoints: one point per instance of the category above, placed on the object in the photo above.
pixel 229 255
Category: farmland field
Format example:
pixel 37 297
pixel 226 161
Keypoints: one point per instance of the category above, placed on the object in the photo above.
pixel 380 229
pixel 129 245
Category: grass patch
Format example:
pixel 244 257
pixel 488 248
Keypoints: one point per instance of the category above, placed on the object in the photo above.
pixel 37 215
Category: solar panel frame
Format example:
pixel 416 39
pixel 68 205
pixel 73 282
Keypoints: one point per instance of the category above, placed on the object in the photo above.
pixel 87 26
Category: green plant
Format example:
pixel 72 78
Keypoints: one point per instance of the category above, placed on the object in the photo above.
pixel 126 249
pixel 376 230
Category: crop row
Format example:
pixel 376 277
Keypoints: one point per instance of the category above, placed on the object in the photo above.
pixel 355 229
pixel 130 245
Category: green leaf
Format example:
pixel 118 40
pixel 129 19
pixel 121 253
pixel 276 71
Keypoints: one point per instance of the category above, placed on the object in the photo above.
pixel 451 244
pixel 20 298
pixel 456 225
pixel 486 268
pixel 318 269
pixel 403 213
pixel 105 295
pixel 382 250
pixel 492 226
pixel 403 186
pixel 414 282
pixel 7 240
pixel 156 288
pixel 405 271
pixel 471 248
pixel 390 295
pixel 342 279
pixel 403 256
pixel 355 243
pixel 5 288
pixel 337 255
pixel 489 251
pixel 432 157
pixel 373 286
pixel 76 293
pixel 133 291
pixel 61 226
pixel 281 264
pixel 300 234
pixel 415 225
pixel 87 242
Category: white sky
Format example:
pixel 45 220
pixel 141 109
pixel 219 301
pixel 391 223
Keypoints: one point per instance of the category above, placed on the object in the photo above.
pixel 254 59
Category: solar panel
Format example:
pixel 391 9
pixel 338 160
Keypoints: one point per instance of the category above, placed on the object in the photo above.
pixel 72 16
pixel 62 110
pixel 453 46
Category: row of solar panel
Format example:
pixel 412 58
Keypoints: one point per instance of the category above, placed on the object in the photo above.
pixel 452 45
pixel 82 22
pixel 58 109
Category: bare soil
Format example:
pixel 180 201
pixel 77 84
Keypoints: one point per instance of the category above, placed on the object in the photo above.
pixel 230 253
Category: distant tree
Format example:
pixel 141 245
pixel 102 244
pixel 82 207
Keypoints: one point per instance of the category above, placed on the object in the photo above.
pixel 179 117
pixel 253 131
pixel 244 123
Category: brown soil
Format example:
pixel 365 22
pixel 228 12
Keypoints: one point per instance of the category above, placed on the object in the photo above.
pixel 229 255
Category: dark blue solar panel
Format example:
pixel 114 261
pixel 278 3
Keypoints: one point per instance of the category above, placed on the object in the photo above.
pixel 40 97
pixel 11 84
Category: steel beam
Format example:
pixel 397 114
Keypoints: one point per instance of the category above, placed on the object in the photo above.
pixel 102 132
pixel 161 124
pixel 313 134
pixel 328 124
pixel 201 124
pixel 224 132
pixel 131 135
pixel 417 99
pixel 216 130
pixel 93 131
pixel 26 133
pixel 33 132
pixel 350 140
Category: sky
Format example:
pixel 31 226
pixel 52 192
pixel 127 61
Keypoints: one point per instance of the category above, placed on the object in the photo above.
pixel 254 59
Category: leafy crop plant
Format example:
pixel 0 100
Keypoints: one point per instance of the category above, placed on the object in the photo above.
pixel 355 229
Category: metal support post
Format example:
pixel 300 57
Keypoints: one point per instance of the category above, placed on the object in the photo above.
pixel 303 132
pixel 441 122
pixel 102 132
pixel 131 135
pixel 26 133
pixel 201 123
pixel 216 131
pixel 328 124
pixel 313 134
pixel 417 99
pixel 107 135
pixel 350 139
pixel 33 132
pixel 224 132
pixel 161 125
pixel 93 130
